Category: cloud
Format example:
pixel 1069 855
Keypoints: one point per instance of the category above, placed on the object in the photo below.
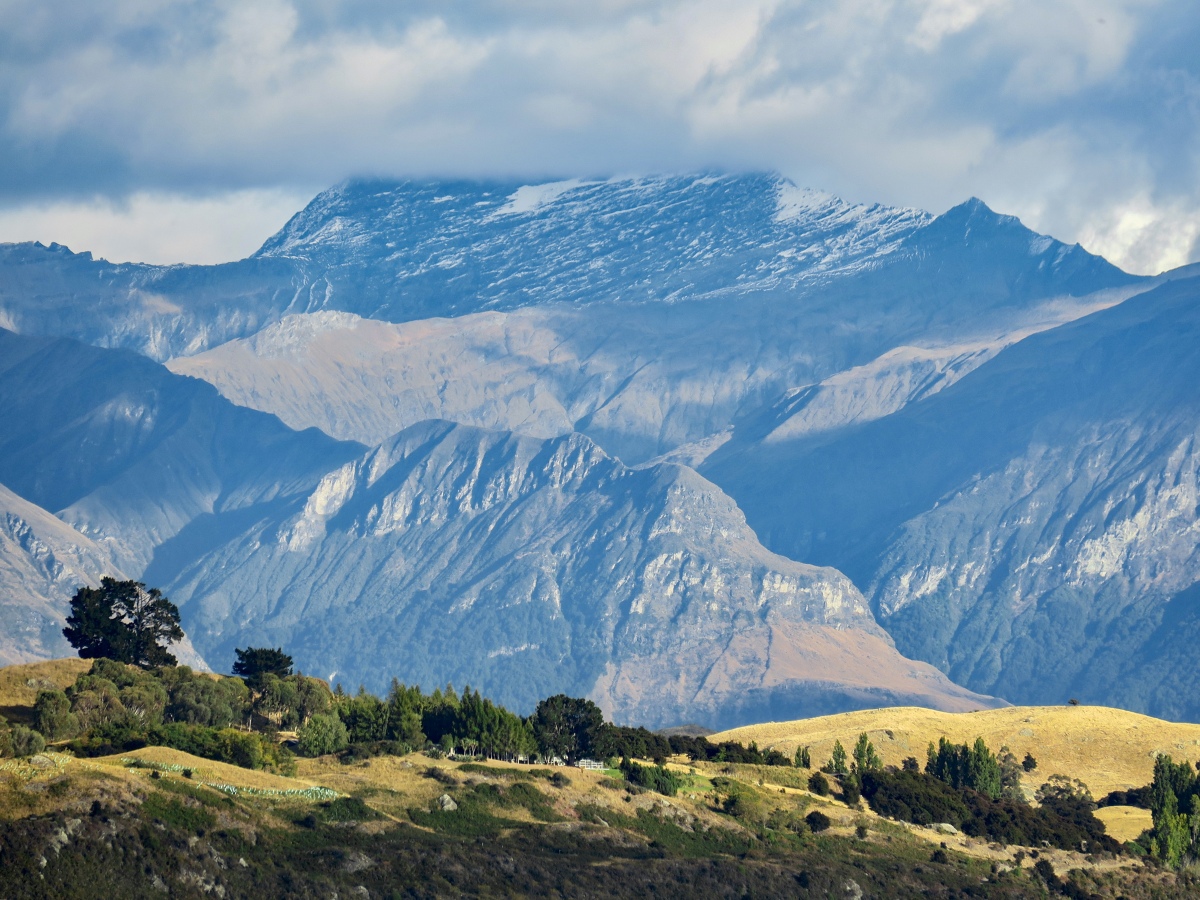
pixel 156 227
pixel 1081 116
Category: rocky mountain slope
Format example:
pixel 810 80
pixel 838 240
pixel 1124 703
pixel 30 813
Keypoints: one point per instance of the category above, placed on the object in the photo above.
pixel 790 290
pixel 845 372
pixel 467 555
pixel 130 454
pixel 1033 528
pixel 530 567
pixel 43 561
pixel 405 251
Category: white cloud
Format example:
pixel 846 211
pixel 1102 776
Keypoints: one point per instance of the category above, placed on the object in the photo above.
pixel 157 228
pixel 1147 237
pixel 1070 113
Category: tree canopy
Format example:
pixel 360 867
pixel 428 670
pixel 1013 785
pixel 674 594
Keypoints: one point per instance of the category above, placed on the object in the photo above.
pixel 567 726
pixel 123 621
pixel 255 663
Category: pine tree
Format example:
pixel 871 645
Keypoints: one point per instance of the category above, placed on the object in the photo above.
pixel 123 621
pixel 837 760
pixel 865 757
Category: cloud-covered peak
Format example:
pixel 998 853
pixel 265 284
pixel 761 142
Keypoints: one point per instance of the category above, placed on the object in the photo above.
pixel 1079 118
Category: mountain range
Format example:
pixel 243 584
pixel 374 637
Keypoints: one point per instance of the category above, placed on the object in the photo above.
pixel 704 448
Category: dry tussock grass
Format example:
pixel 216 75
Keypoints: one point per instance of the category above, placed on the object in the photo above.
pixel 1108 749
pixel 1124 822
pixel 205 769
pixel 19 685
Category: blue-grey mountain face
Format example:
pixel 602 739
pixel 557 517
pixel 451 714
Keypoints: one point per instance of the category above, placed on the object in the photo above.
pixel 446 553
pixel 846 371
pixel 528 567
pixel 1031 529
pixel 413 250
pixel 132 455
pixel 649 315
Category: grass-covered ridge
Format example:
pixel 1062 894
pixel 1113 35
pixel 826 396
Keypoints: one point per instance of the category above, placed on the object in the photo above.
pixel 395 821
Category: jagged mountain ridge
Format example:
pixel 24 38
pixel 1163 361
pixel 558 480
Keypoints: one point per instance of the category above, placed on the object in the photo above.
pixel 1031 529
pixel 131 454
pixel 642 378
pixel 532 567
pixel 163 476
pixel 403 251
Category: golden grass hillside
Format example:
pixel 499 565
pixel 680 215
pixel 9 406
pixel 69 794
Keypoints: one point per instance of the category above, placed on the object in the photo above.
pixel 19 685
pixel 1108 749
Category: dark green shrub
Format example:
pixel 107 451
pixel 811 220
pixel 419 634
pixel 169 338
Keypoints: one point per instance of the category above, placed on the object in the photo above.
pixel 322 734
pixel 437 773
pixel 817 821
pixel 347 809
pixel 172 812
pixel 1139 797
pixel 1045 871
pixel 818 784
pixel 26 741
pixel 52 716
pixel 655 778
pixel 913 797
pixel 850 790
pixel 1063 822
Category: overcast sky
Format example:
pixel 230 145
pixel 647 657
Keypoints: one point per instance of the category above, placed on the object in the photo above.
pixel 173 130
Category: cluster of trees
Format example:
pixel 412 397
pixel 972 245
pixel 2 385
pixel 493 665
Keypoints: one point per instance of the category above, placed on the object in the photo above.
pixel 408 719
pixel 1175 810
pixel 115 707
pixel 699 748
pixel 974 767
pixel 1063 819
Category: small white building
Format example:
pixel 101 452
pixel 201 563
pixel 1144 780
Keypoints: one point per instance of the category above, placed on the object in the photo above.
pixel 589 764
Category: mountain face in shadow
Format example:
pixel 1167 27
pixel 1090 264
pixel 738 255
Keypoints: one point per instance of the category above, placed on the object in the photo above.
pixel 1029 528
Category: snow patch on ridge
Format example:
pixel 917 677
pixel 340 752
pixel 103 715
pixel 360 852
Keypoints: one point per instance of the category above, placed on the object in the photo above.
pixel 793 202
pixel 532 197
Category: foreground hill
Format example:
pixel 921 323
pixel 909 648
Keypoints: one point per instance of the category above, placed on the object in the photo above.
pixel 1108 749
pixel 377 819
pixel 68 829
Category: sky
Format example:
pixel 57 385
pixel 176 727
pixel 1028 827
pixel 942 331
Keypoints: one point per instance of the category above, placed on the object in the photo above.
pixel 183 131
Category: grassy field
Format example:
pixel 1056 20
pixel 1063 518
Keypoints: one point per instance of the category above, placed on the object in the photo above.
pixel 19 685
pixel 540 819
pixel 1108 749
